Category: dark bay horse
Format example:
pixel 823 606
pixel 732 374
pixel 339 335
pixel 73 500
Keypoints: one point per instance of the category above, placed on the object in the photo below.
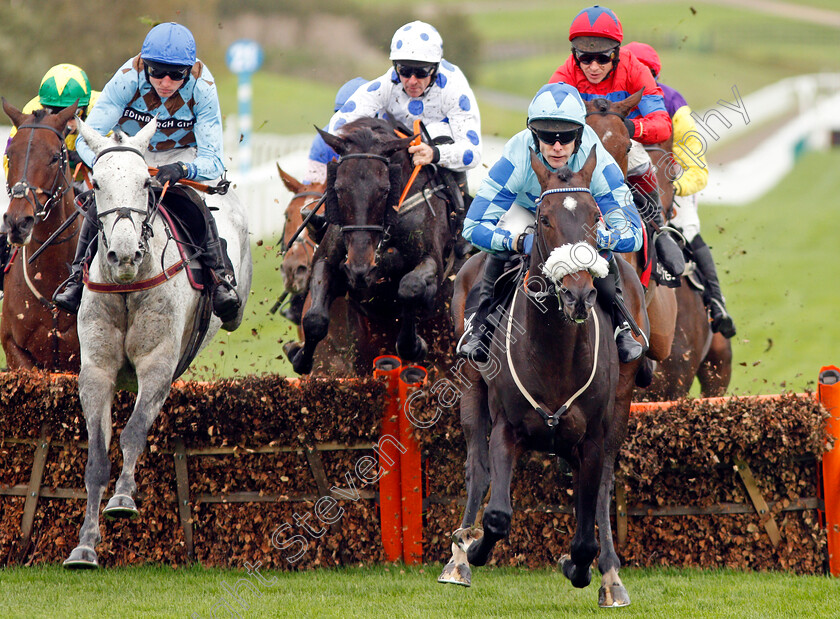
pixel 391 264
pixel 552 383
pixel 696 350
pixel 33 332
pixel 607 120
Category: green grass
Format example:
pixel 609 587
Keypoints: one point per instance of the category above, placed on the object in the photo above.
pixel 397 591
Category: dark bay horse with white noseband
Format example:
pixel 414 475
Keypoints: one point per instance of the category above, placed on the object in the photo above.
pixel 34 334
pixel 552 383
pixel 390 263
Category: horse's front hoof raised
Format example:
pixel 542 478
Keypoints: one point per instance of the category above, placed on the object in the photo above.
pixel 121 506
pixel 416 353
pixel 456 574
pixel 613 596
pixel 294 352
pixel 82 558
pixel 579 578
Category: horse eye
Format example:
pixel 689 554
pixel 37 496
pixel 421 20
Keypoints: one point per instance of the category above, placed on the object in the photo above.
pixel 544 221
pixel 95 184
pixel 55 159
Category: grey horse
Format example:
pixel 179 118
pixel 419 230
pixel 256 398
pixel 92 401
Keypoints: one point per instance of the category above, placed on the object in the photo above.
pixel 135 340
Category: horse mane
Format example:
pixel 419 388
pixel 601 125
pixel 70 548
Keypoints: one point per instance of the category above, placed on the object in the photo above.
pixel 365 134
pixel 565 174
pixel 601 104
pixel 40 113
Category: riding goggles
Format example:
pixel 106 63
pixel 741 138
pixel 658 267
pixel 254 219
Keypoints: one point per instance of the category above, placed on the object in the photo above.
pixel 174 73
pixel 420 72
pixel 589 58
pixel 550 137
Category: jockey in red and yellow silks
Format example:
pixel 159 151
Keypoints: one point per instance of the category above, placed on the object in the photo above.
pixel 599 68
pixel 688 155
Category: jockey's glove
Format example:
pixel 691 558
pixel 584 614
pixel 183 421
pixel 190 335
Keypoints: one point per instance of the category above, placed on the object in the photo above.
pixel 172 172
pixel 524 242
pixel 631 127
pixel 74 159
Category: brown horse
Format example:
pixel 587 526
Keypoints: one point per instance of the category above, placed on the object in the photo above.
pixel 696 350
pixel 297 259
pixel 552 383
pixel 392 264
pixel 607 120
pixel 34 334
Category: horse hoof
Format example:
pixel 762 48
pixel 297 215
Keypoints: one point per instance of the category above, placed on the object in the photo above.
pixel 294 352
pixel 82 558
pixel 456 574
pixel 579 578
pixel 613 596
pixel 120 506
pixel 417 353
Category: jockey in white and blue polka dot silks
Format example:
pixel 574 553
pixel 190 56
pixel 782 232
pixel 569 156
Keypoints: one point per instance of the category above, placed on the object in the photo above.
pixel 512 180
pixel 443 100
pixel 190 117
pixel 558 133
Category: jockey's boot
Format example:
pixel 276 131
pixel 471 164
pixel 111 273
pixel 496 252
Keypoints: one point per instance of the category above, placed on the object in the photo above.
pixel 226 302
pixel 4 259
pixel 646 196
pixel 611 299
pixel 68 295
pixel 477 345
pixel 721 320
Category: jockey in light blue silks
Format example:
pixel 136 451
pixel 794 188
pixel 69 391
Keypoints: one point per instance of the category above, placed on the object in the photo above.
pixel 167 82
pixel 558 133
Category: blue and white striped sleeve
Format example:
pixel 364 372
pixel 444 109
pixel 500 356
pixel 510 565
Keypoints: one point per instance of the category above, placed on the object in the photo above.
pixel 493 199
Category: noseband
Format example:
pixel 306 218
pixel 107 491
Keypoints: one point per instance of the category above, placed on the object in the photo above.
pixel 23 190
pixel 124 212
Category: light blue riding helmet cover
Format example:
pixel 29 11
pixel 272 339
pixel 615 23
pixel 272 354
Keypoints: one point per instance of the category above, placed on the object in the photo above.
pixel 558 102
pixel 169 43
pixel 346 91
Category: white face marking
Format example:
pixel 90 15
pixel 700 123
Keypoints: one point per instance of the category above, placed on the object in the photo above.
pixel 570 203
pixel 607 135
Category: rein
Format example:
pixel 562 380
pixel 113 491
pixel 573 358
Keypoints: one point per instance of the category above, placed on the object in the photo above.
pixel 541 250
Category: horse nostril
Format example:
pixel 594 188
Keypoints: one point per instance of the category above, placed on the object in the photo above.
pixel 138 257
pixel 111 257
pixel 27 224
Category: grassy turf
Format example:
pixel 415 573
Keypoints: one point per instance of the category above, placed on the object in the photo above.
pixel 406 592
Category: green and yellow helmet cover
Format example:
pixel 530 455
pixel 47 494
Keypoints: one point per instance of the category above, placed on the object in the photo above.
pixel 62 85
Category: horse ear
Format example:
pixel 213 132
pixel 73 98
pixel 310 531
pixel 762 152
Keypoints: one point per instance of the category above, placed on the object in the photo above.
pixel 96 141
pixel 624 106
pixel 589 166
pixel 14 114
pixel 291 183
pixel 396 145
pixel 541 170
pixel 333 141
pixel 67 114
pixel 142 138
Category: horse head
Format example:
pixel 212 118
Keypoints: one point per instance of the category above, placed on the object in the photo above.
pixel 363 187
pixel 607 120
pixel 297 261
pixel 565 237
pixel 122 186
pixel 38 176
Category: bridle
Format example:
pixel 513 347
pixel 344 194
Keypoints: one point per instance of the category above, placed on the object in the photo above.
pixel 61 184
pixel 124 212
pixel 365 227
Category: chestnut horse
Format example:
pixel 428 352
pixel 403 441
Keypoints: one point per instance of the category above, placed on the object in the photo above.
pixel 297 259
pixel 391 264
pixel 33 332
pixel 696 350
pixel 607 120
pixel 552 383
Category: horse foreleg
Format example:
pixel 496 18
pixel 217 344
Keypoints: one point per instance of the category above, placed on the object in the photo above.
pixel 154 378
pixel 475 421
pixel 417 290
pixel 715 371
pixel 96 392
pixel 316 321
pixel 577 566
pixel 497 515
